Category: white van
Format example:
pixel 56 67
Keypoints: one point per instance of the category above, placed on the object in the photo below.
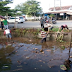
pixel 18 19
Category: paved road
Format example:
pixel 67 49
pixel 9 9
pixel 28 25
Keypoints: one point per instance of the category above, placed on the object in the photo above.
pixel 36 24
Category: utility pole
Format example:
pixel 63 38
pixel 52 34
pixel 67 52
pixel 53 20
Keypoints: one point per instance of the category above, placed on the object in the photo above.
pixel 54 5
pixel 60 4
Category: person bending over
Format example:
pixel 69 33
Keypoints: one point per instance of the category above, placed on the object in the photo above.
pixel 63 27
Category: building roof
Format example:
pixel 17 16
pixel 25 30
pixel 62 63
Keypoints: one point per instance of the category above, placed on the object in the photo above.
pixel 60 11
pixel 62 8
pixel 54 12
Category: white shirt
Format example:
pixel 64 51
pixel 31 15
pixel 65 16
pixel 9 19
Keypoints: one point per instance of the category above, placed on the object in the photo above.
pixel 49 25
pixel 7 31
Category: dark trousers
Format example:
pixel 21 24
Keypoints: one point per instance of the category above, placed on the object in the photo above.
pixel 2 25
pixel 42 25
pixel 43 40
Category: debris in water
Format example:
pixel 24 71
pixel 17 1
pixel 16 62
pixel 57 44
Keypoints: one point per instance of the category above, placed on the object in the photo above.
pixel 63 67
pixel 43 62
pixel 6 66
pixel 40 60
pixel 18 69
pixel 49 66
pixel 32 43
pixel 19 66
pixel 48 50
pixel 25 63
pixel 33 48
pixel 30 40
pixel 9 44
pixel 17 55
pixel 19 62
pixel 70 56
pixel 35 68
pixel 25 50
pixel 41 50
pixel 15 51
pixel 27 57
pixel 41 65
pixel 36 48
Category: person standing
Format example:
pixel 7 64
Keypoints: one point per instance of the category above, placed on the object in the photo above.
pixel 5 23
pixel 42 23
pixel 2 23
pixel 43 35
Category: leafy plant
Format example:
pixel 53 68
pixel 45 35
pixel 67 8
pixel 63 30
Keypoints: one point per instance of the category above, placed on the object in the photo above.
pixel 55 29
pixel 51 15
pixel 62 47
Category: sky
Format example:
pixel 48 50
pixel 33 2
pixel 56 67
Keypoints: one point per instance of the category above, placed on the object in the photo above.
pixel 45 4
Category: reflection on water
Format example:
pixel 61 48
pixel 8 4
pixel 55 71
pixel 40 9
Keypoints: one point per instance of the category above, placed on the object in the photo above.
pixel 5 62
pixel 29 55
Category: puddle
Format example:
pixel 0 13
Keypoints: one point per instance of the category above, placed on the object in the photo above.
pixel 29 55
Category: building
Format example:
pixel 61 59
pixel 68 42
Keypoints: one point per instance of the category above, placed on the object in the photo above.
pixel 61 13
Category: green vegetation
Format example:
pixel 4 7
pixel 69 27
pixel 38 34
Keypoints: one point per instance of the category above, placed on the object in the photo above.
pixel 55 29
pixel 22 32
pixel 51 15
pixel 3 9
pixel 62 47
pixel 31 8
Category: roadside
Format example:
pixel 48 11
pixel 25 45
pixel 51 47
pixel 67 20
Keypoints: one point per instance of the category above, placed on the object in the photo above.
pixel 36 24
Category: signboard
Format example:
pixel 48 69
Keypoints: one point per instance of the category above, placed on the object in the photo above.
pixel 61 13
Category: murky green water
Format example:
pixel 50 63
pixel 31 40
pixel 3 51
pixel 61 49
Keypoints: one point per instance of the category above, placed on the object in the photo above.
pixel 29 55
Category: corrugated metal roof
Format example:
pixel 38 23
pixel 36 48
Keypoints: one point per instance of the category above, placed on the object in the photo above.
pixel 54 12
pixel 62 8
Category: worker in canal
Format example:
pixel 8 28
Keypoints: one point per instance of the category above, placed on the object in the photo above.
pixel 7 32
pixel 49 27
pixel 43 35
pixel 63 27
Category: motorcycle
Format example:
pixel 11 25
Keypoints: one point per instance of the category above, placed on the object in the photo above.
pixel 54 21
pixel 49 21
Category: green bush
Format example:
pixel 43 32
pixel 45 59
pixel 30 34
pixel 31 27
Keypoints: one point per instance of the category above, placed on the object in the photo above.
pixel 55 29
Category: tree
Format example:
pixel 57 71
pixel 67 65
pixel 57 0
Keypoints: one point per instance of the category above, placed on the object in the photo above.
pixel 30 7
pixel 3 9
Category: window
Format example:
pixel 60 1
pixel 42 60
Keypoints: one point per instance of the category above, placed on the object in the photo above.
pixel 21 17
pixel 12 18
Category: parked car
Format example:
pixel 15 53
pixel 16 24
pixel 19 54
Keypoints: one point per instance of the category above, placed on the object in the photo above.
pixel 16 19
